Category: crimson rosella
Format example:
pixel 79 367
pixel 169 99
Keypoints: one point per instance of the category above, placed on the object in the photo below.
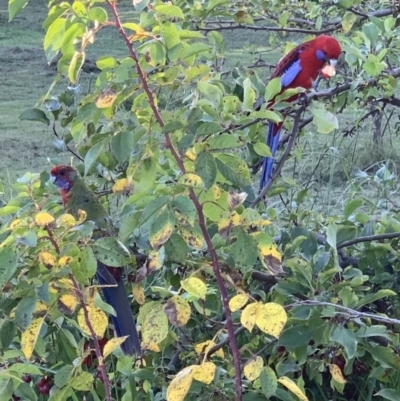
pixel 299 68
pixel 75 195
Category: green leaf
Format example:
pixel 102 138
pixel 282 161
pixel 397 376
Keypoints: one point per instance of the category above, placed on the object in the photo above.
pixel 15 7
pixel 62 394
pixel 54 38
pixel 262 149
pixel 7 333
pixel 267 115
pixel 194 48
pixel 273 88
pixel 389 394
pixel 24 311
pixel 170 34
pixel 122 145
pixel 8 264
pixel 82 382
pixel 34 115
pixel 385 356
pixel 172 126
pixel 208 128
pixel 374 68
pixel 224 141
pixel 348 21
pixel 176 248
pixel 63 375
pixel 212 92
pixel 324 120
pixel 153 207
pixel 184 205
pixel 331 235
pixel 268 381
pixel 352 206
pixel 234 170
pixel 206 168
pixel 98 14
pixel 161 228
pixel 249 96
pixel 26 392
pixel 170 10
pixel 244 250
pixel 111 252
pixel 75 66
pixel 369 298
pixel 345 338
pixel 25 368
pixel 6 389
pixel 296 336
pixel 92 155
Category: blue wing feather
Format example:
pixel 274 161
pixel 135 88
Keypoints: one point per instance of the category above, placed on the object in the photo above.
pixel 290 74
pixel 116 296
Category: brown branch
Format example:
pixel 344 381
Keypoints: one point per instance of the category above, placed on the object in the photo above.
pixel 354 314
pixel 368 238
pixel 193 197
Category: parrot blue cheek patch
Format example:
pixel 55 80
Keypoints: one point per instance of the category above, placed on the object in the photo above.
pixel 320 55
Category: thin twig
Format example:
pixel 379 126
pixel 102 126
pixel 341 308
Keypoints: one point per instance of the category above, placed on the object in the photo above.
pixel 67 147
pixel 354 314
pixel 368 238
pixel 193 197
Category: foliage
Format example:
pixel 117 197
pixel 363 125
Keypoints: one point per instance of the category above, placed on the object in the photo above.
pixel 235 299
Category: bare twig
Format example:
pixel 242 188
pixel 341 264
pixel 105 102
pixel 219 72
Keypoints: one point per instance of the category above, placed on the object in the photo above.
pixel 195 200
pixel 67 147
pixel 354 314
pixel 368 238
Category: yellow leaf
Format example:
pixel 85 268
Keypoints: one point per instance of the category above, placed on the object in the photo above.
pixel 106 99
pixel 177 310
pixel 191 180
pixel 233 220
pixel 195 287
pixel 192 238
pixel 337 373
pixel 253 368
pixel 292 386
pixel 161 236
pixel 40 307
pixel 203 348
pixel 155 259
pixel 271 319
pixel 30 336
pixel 270 258
pixel 64 260
pixel 47 259
pixel 180 385
pixel 16 223
pixel 248 317
pixel 122 185
pixel 112 345
pixel 81 216
pixel 67 303
pixel 154 327
pixel 238 301
pixel 97 318
pixel 66 220
pixel 43 218
pixel 138 294
pixel 205 372
pixel 191 155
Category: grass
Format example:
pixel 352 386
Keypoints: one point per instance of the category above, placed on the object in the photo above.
pixel 26 146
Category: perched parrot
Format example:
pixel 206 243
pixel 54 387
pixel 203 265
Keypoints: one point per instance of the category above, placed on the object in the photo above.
pixel 299 68
pixel 75 195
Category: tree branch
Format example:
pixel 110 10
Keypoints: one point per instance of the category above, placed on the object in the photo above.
pixel 368 238
pixel 196 202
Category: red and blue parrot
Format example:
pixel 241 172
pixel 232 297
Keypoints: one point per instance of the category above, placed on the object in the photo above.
pixel 299 68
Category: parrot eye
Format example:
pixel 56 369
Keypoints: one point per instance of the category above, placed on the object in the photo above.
pixel 62 171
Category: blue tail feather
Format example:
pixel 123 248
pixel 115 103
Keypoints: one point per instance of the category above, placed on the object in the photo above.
pixel 268 162
pixel 124 323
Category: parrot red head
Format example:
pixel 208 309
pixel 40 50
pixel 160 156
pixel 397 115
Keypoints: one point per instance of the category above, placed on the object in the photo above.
pixel 328 49
pixel 63 176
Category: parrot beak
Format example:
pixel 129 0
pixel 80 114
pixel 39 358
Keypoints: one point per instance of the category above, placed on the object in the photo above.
pixel 333 62
pixel 53 178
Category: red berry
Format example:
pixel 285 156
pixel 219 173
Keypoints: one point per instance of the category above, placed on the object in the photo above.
pixel 27 378
pixel 15 398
